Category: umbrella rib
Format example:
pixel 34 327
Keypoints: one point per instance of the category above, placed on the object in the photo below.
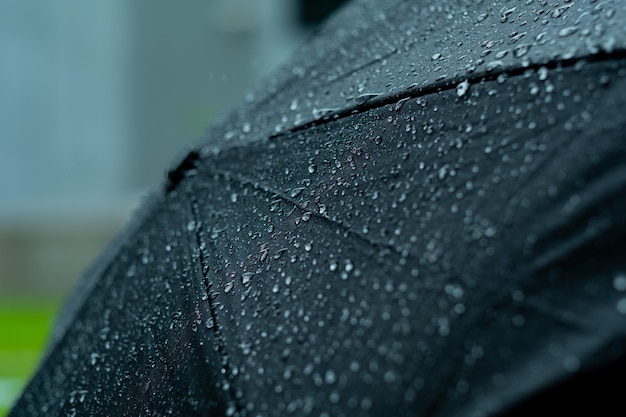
pixel 415 91
pixel 191 162
pixel 275 193
pixel 204 270
pixel 365 65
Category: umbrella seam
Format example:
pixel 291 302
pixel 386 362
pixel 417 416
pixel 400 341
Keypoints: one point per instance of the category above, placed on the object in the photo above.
pixel 450 84
pixel 337 223
pixel 198 154
pixel 204 271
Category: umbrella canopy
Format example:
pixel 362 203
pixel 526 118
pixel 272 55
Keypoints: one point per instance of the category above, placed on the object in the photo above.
pixel 422 214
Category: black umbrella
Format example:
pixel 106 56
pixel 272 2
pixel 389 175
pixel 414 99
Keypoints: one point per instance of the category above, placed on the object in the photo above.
pixel 423 214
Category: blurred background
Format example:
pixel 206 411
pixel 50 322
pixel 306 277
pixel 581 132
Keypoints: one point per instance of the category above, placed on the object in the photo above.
pixel 96 99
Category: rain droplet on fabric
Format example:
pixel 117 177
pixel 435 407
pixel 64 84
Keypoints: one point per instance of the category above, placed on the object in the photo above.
pixel 131 271
pixel 619 282
pixel 246 278
pixel 93 358
pixel 462 88
pixel 521 50
pixel 320 113
pixel 571 363
pixel 570 30
pixel 296 191
pixel 400 103
pixel 364 98
pixel 493 65
pixel 333 266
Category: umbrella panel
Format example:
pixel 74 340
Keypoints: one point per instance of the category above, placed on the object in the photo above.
pixel 132 348
pixel 451 251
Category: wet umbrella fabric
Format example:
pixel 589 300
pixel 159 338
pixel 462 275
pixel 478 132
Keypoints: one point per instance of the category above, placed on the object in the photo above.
pixel 423 214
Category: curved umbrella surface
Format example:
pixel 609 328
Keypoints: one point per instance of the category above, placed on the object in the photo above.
pixel 422 214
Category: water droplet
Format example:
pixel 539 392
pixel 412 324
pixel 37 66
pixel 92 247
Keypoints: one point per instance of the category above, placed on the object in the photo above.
pixel 459 308
pixel 390 377
pixel 570 30
pixel 443 171
pixel 131 271
pixel 246 128
pixel 493 65
pixel 502 54
pixel 559 11
pixel 534 89
pixel 619 282
pixel 521 50
pixel 462 88
pixel 366 403
pixel 517 295
pixel 436 56
pixel 312 169
pixel 518 320
pixel 400 103
pixel 229 286
pixel 330 377
pixel 621 306
pixel 246 278
pixel 571 363
pixel 364 98
pixel 296 191
pixel 505 14
pixel 233 197
pixel 515 36
pixel 320 113
pixel 93 358
pixel 454 290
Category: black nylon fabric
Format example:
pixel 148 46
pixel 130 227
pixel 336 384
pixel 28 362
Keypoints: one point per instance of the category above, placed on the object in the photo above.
pixel 451 248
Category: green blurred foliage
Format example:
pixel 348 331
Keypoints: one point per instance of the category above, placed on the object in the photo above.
pixel 24 329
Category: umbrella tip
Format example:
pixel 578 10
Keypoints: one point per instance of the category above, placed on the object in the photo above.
pixel 185 168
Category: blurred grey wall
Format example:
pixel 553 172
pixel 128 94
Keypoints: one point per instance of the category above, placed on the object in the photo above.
pixel 96 98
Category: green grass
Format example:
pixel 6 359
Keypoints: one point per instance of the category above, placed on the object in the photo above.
pixel 24 329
